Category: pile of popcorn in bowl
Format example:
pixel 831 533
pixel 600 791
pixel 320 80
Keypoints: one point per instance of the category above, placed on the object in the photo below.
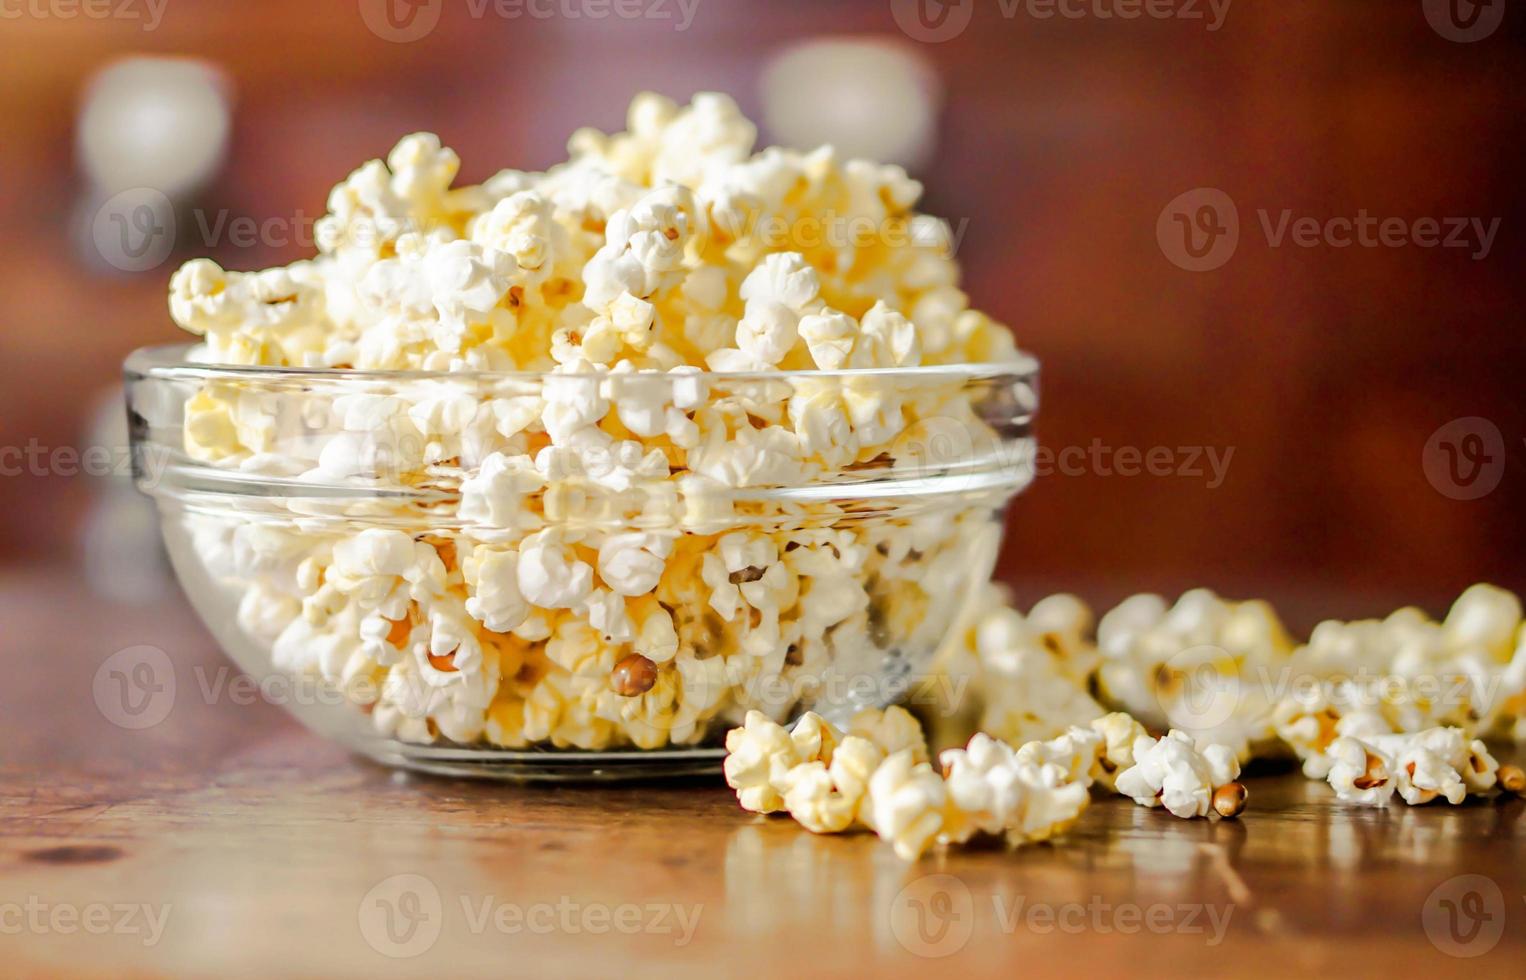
pixel 599 459
pixel 679 445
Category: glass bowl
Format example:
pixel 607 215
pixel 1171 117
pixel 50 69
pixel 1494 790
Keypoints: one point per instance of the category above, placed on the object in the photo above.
pixel 408 563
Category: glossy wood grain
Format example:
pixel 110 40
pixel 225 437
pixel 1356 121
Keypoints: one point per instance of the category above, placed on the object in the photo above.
pixel 266 849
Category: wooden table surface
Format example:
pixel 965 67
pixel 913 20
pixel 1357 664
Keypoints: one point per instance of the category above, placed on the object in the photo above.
pixel 226 841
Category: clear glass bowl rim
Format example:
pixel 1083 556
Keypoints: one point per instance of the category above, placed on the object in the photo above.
pixel 168 362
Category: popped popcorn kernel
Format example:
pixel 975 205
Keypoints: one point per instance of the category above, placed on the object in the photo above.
pixel 1172 772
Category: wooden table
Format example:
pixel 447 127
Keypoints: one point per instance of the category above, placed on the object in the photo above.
pixel 226 841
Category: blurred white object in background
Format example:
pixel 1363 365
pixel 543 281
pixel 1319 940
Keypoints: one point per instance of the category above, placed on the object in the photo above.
pixel 870 97
pixel 150 132
pixel 161 123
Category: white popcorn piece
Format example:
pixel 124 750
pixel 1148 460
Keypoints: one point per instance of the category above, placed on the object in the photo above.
pixel 993 789
pixel 830 798
pixel 497 601
pixel 781 290
pixel 1358 774
pixel 632 563
pixel 1485 617
pixel 497 499
pixel 761 753
pixel 1028 673
pixel 907 804
pixel 548 573
pixel 891 730
pixel 887 339
pixel 1172 772
pixel 830 337
pixel 1115 754
pixel 1439 763
pixel 1205 666
pixel 1076 754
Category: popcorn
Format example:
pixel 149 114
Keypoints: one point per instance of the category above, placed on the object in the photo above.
pixel 1201 666
pixel 1358 774
pixel 548 573
pixel 1421 767
pixel 830 782
pixel 1075 753
pixel 1028 673
pixel 573 530
pixel 633 563
pixel 249 318
pixel 995 790
pixel 760 754
pixel 907 801
pixel 830 337
pixel 1407 674
pixel 781 290
pixel 1173 773
pixel 1118 733
pixel 497 499
pixel 891 730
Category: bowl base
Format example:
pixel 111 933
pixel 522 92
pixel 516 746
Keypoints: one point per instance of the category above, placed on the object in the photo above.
pixel 529 765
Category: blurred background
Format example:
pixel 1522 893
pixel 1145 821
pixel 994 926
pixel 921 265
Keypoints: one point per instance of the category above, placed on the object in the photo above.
pixel 1334 419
